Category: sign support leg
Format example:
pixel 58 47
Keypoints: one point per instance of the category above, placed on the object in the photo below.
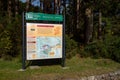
pixel 23 42
pixel 64 56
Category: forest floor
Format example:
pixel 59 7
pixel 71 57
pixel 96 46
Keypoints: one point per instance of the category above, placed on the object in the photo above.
pixel 75 67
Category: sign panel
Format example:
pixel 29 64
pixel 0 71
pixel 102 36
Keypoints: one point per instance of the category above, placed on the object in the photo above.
pixel 44 41
pixel 42 16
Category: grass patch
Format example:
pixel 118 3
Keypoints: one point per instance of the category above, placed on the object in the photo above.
pixel 78 67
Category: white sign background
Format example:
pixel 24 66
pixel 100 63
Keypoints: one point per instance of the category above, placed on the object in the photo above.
pixel 44 41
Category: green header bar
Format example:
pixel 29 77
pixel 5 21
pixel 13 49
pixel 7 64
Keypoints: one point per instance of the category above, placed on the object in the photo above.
pixel 44 17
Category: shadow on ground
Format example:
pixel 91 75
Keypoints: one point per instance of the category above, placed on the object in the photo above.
pixel 46 62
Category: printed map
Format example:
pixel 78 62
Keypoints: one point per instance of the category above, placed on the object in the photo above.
pixel 49 47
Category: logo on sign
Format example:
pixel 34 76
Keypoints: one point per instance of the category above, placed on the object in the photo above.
pixel 29 16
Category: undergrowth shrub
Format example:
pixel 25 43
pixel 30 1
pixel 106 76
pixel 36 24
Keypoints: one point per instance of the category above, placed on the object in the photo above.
pixel 97 49
pixel 71 47
pixel 5 45
pixel 107 48
pixel 114 48
pixel 10 37
pixel 82 52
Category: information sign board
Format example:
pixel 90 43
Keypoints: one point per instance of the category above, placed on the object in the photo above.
pixel 43 41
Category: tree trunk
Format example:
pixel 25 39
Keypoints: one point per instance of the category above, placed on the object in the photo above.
pixel 9 10
pixel 59 4
pixel 55 5
pixel 78 9
pixel 47 6
pixel 0 5
pixel 4 5
pixel 75 17
pixel 88 25
pixel 28 2
pixel 100 27
pixel 41 5
pixel 16 6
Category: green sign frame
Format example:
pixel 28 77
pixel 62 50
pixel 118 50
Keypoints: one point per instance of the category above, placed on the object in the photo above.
pixel 44 17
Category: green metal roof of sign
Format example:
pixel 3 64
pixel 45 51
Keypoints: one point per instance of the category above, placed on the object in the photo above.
pixel 44 17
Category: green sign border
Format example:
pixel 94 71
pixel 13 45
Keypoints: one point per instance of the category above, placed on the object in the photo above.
pixel 42 16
